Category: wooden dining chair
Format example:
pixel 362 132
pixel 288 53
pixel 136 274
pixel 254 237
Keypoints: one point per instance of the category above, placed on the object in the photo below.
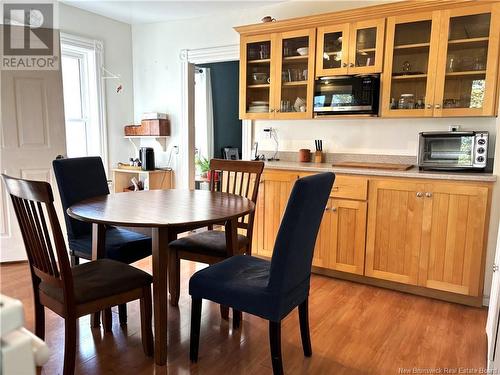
pixel 71 292
pixel 231 176
pixel 270 289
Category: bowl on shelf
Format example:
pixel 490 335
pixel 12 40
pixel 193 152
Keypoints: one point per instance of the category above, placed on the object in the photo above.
pixel 259 78
pixel 303 51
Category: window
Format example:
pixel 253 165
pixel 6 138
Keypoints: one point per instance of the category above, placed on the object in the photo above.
pixel 83 97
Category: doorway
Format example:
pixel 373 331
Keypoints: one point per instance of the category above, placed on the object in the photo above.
pixel 218 129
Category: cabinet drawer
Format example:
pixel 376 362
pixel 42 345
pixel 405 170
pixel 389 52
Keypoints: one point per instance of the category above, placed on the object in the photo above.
pixel 350 187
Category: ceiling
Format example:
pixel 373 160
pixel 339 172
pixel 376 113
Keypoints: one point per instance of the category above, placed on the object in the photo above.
pixel 135 12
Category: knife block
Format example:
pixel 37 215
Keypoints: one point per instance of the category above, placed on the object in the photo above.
pixel 318 157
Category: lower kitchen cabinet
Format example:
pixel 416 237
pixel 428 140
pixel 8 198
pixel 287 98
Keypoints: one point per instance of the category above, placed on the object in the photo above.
pixel 274 191
pixel 453 240
pixel 341 240
pixel 427 234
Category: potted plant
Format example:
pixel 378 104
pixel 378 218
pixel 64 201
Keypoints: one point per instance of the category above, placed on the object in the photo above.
pixel 203 165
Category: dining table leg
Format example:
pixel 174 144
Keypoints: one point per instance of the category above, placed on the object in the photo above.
pixel 98 252
pixel 160 240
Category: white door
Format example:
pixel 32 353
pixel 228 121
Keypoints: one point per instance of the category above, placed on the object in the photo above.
pixel 33 134
pixel 493 313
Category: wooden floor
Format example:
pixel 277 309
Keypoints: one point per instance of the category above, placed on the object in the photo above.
pixel 355 329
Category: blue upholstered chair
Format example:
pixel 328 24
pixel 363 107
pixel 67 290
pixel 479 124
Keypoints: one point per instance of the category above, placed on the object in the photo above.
pixel 270 289
pixel 83 178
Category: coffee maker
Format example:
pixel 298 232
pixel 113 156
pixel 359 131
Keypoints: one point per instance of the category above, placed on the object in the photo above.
pixel 147 156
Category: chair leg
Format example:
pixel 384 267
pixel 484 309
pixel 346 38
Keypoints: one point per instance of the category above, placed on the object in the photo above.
pixel 237 315
pixel 108 319
pixel 122 313
pixel 74 260
pixel 174 277
pixel 39 319
pixel 275 342
pixel 224 312
pixel 95 319
pixel 195 329
pixel 69 345
pixel 304 328
pixel 146 317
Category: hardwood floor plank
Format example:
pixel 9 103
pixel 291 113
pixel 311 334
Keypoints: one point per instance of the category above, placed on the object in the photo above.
pixel 355 330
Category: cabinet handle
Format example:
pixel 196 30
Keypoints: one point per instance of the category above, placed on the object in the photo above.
pixel 428 194
pixel 344 65
pixel 326 208
pixel 419 194
pixel 351 65
pixel 429 106
pixel 495 267
pixel 335 188
pixel 271 110
pixel 437 106
pixel 278 110
pixel 334 209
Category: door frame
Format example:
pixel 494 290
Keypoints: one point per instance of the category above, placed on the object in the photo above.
pixel 189 58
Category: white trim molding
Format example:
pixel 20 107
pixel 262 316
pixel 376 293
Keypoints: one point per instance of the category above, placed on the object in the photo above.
pixel 98 47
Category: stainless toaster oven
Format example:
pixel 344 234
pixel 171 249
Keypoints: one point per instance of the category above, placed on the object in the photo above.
pixel 453 150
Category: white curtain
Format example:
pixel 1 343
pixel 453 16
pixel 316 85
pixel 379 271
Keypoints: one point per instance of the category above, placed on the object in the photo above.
pixel 204 118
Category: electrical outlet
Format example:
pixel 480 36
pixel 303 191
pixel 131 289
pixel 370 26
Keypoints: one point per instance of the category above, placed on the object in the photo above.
pixel 268 131
pixel 454 128
pixel 175 149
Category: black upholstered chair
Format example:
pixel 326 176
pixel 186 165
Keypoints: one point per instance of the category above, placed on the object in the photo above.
pixel 270 289
pixel 83 178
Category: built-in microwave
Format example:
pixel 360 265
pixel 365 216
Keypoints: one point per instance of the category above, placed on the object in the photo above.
pixel 337 95
pixel 453 150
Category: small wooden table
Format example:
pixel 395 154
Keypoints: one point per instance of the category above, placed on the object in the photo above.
pixel 168 213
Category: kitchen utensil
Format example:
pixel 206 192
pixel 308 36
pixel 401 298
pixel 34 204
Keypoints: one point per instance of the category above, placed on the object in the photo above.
pixel 389 166
pixel 318 157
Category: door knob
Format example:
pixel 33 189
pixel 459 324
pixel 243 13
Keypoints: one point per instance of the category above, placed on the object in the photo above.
pixel 334 209
pixel 419 194
pixel 428 194
pixel 351 65
pixel 344 65
pixel 429 106
pixel 495 267
pixel 437 106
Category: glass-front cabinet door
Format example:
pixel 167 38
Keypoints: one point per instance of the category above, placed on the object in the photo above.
pixel 332 56
pixel 257 74
pixel 295 76
pixel 467 65
pixel 410 65
pixel 366 46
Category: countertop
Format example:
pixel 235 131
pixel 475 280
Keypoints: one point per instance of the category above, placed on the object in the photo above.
pixel 414 172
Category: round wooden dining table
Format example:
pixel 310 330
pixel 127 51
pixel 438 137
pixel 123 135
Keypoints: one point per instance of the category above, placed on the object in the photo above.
pixel 167 213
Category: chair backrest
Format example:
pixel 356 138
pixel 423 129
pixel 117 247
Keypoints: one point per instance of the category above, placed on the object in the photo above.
pixel 79 179
pixel 33 203
pixel 238 177
pixel 293 250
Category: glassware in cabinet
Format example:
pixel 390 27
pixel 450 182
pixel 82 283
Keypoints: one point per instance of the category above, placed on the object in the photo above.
pixel 411 55
pixel 467 72
pixel 295 79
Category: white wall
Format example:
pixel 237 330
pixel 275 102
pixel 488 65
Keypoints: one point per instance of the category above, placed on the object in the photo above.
pixel 117 40
pixel 156 49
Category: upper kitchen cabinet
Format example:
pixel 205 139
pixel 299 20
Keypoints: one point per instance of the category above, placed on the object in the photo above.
pixel 442 64
pixel 277 75
pixel 295 76
pixel 350 48
pixel 256 74
pixel 468 61
pixel 410 65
